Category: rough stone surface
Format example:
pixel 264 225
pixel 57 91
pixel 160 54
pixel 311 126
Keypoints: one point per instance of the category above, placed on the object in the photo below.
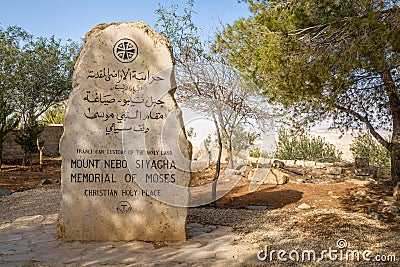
pixel 276 176
pixel 124 151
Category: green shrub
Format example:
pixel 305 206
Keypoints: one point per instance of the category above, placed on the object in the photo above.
pixel 365 146
pixel 301 146
pixel 55 114
pixel 255 153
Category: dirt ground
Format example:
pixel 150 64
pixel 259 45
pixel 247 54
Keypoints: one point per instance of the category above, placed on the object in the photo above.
pixel 19 178
pixel 355 196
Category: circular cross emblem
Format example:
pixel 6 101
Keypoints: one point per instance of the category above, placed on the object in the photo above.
pixel 125 50
pixel 124 207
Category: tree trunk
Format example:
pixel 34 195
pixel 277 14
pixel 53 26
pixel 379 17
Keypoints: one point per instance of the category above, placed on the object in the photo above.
pixel 394 147
pixel 218 164
pixel 230 153
pixel 217 172
pixel 395 166
pixel 24 159
pixel 41 160
pixel 40 155
pixel 30 159
pixel 395 162
pixel 1 156
pixel 208 153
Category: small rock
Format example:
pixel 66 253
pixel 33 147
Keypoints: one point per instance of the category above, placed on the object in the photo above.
pixel 278 164
pixel 374 214
pixel 4 192
pixel 48 181
pixel 256 207
pixel 304 206
pixel 273 176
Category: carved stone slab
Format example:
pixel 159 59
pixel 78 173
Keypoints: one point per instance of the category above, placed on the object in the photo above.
pixel 125 156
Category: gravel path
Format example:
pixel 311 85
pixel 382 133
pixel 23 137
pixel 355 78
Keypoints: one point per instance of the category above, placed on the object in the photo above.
pixel 41 201
pixel 45 201
pixel 316 229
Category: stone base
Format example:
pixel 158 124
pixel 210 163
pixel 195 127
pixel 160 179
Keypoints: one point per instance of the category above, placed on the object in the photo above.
pixel 152 227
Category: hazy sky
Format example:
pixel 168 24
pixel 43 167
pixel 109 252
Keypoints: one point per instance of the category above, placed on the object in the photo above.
pixel 71 19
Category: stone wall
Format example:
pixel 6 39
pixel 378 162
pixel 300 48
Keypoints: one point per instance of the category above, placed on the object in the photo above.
pixel 51 137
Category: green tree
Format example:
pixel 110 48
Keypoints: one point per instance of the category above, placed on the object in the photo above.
pixel 8 122
pixel 11 39
pixel 302 146
pixel 241 138
pixel 365 146
pixel 43 77
pixel 325 60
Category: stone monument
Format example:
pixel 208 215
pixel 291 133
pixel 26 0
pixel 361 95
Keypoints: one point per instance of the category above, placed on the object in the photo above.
pixel 125 155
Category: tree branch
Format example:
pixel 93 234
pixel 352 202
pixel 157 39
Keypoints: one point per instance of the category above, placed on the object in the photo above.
pixel 365 120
